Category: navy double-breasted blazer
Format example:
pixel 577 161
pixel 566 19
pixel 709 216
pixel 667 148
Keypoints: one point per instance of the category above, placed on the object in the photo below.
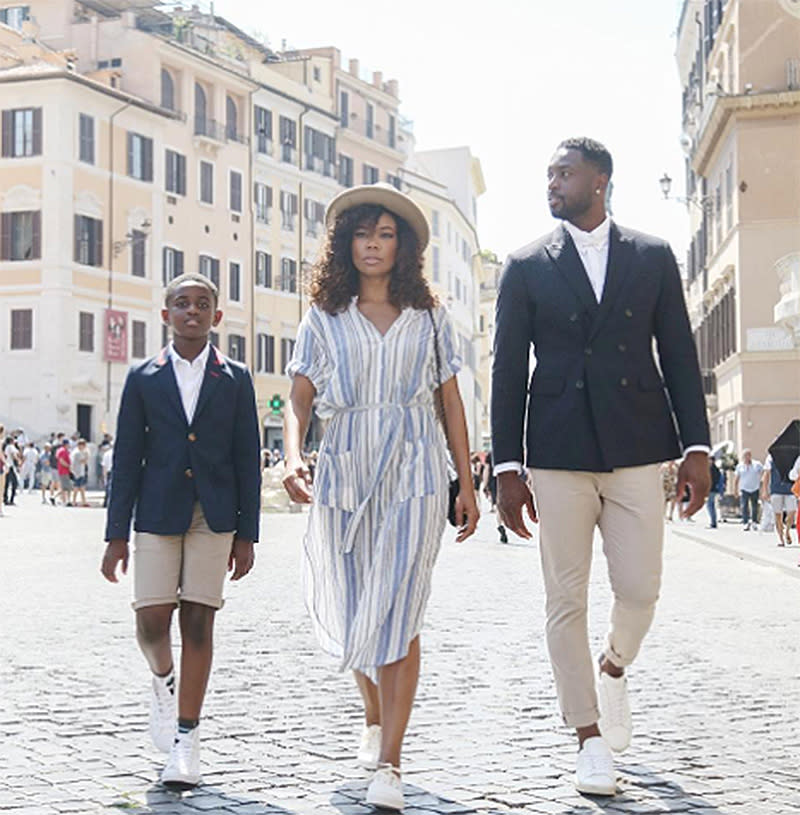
pixel 163 464
pixel 599 398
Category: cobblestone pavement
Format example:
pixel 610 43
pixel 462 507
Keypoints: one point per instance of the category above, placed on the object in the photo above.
pixel 715 690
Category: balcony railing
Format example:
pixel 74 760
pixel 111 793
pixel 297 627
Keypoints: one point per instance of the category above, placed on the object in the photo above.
pixel 709 382
pixel 209 129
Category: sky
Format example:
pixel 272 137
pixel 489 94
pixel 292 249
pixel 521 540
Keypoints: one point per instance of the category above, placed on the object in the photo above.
pixel 511 82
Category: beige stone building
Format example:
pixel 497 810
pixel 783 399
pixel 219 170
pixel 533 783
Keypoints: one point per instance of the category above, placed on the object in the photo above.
pixel 138 144
pixel 739 64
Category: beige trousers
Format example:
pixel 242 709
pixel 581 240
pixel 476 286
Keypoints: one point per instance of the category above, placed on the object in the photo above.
pixel 626 505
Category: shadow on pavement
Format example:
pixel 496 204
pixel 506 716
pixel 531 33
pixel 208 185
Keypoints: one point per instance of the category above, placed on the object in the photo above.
pixel 162 801
pixel 349 799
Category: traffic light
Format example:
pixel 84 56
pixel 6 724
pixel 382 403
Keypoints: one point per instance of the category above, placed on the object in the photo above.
pixel 276 404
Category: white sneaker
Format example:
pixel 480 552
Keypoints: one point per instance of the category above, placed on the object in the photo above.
pixel 369 750
pixel 615 711
pixel 163 711
pixel 386 788
pixel 594 771
pixel 183 765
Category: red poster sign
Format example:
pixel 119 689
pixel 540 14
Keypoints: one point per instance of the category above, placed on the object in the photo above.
pixel 116 335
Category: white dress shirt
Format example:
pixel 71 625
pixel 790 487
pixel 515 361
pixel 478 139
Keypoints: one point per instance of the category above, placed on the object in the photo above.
pixel 189 376
pixel 593 251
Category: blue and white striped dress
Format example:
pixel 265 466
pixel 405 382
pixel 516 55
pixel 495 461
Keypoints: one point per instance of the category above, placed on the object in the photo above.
pixel 380 486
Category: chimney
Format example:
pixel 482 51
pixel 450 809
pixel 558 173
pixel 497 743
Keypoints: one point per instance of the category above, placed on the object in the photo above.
pixel 377 79
pixel 353 67
pixel 392 88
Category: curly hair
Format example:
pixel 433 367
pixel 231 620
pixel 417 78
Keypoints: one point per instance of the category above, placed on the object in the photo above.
pixel 335 280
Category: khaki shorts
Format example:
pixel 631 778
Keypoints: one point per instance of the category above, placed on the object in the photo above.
pixel 171 568
pixel 783 503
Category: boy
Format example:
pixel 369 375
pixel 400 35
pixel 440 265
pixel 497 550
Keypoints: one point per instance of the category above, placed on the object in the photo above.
pixel 186 455
pixel 63 468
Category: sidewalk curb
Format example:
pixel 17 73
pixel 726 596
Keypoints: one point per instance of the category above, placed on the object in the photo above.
pixel 730 550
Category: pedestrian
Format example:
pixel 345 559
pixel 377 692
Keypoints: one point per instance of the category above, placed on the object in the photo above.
pixel 30 458
pixel 593 298
pixel 79 470
pixel 13 460
pixel 107 469
pixel 375 353
pixel 63 468
pixel 717 487
pixel 3 468
pixel 46 477
pixel 490 481
pixel 186 456
pixel 669 486
pixel 778 492
pixel 746 488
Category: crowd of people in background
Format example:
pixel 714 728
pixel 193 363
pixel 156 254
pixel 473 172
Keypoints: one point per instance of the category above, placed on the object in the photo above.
pixel 58 467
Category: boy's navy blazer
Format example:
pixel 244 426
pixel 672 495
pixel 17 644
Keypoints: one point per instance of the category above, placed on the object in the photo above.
pixel 163 464
pixel 597 399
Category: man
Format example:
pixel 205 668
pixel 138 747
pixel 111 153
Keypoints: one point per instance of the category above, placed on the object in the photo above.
pixel 778 491
pixel 591 298
pixel 13 458
pixel 746 485
pixel 717 488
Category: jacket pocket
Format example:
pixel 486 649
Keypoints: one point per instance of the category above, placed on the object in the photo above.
pixel 548 385
pixel 421 471
pixel 335 481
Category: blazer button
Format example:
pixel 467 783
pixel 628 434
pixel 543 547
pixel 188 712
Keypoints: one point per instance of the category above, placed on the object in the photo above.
pixel 192 437
pixel 628 312
pixel 623 382
pixel 579 384
pixel 587 351
pixel 573 318
pixel 188 472
pixel 622 347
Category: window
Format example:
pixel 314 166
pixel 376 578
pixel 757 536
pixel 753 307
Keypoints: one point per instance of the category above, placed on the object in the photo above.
pixel 344 109
pixel 264 270
pixel 21 236
pixel 288 134
pixel 317 74
pixel 138 339
pixel 175 172
pixel 236 347
pixel 88 241
pixel 234 282
pixel 345 170
pixel 718 213
pixel 394 180
pixel 167 90
pixel 201 123
pixel 287 350
pixel 206 182
pixel 231 119
pixel 288 275
pixel 165 334
pixel 435 223
pixel 138 247
pixel 320 151
pixel 370 174
pixel 86 138
pixel 262 195
pixel 86 331
pixel 370 132
pixel 263 130
pixel 288 210
pixel 209 267
pixel 140 157
pixel 729 197
pixel 235 191
pixel 21 328
pixel 15 16
pixel 22 132
pixel 392 131
pixel 314 216
pixel 435 264
pixel 265 357
pixel 172 264
pixel 213 338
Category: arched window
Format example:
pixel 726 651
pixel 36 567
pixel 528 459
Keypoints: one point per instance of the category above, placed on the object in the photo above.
pixel 200 110
pixel 231 118
pixel 167 90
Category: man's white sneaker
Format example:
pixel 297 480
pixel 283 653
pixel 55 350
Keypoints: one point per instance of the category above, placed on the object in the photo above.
pixel 615 711
pixel 183 765
pixel 163 711
pixel 594 771
pixel 386 788
pixel 369 750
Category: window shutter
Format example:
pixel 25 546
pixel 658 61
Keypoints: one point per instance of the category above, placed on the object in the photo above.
pixel 77 241
pixel 37 131
pixel 5 236
pixel 294 204
pixel 178 263
pixel 148 159
pixel 181 173
pixel 36 218
pixel 98 243
pixel 169 171
pixel 269 197
pixel 8 132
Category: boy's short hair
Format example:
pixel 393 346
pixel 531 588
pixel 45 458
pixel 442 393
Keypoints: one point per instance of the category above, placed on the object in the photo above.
pixel 191 277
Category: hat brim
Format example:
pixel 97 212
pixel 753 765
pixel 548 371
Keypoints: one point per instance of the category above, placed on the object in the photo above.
pixel 386 196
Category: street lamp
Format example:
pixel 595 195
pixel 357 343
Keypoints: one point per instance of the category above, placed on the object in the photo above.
pixel 705 203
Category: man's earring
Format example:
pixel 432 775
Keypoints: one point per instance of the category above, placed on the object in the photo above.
pixel 597 192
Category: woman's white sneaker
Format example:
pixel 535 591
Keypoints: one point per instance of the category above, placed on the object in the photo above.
pixel 594 771
pixel 386 788
pixel 163 711
pixel 369 750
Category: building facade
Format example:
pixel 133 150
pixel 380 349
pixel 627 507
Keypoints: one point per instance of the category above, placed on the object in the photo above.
pixel 739 65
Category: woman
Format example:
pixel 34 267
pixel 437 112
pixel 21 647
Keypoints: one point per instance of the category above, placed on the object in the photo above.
pixel 365 358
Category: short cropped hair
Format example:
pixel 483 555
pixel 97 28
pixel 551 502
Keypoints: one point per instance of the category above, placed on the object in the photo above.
pixel 592 151
pixel 191 277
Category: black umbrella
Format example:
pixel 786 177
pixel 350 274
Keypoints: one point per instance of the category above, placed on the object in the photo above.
pixel 786 448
